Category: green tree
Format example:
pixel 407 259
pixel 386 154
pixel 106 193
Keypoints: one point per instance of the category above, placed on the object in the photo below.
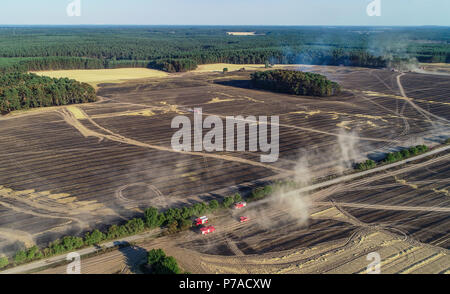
pixel 151 217
pixel 155 256
pixel 95 237
pixel 169 266
pixel 162 264
pixel 213 205
pixel 227 202
pixel 20 257
pixel 72 243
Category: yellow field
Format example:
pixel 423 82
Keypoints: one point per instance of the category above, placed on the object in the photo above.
pixel 241 33
pixel 99 76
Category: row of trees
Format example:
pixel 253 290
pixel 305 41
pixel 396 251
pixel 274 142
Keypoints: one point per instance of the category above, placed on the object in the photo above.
pixel 22 65
pixel 173 219
pixel 393 157
pixel 23 91
pixel 174 65
pixel 295 82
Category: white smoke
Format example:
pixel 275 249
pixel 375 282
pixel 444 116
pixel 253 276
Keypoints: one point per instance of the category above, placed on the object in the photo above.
pixel 348 150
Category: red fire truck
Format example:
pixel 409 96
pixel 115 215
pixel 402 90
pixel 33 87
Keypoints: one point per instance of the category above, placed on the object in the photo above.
pixel 201 221
pixel 240 205
pixel 244 219
pixel 207 230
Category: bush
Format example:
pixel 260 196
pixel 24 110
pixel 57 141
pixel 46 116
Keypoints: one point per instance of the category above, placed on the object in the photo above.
pixel 95 237
pixel 4 262
pixel 169 266
pixel 213 205
pixel 114 232
pixel 135 226
pixel 187 212
pixel 200 208
pixel 237 197
pixel 72 243
pixel 20 257
pixel 155 256
pixel 368 164
pixel 227 202
pixel 33 253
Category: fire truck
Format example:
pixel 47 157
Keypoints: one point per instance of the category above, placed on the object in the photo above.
pixel 207 230
pixel 240 205
pixel 201 221
pixel 244 219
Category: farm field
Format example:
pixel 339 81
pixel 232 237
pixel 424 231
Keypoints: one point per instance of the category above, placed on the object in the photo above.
pixel 95 77
pixel 401 223
pixel 66 170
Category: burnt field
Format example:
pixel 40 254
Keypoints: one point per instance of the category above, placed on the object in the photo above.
pixel 69 169
pixel 402 215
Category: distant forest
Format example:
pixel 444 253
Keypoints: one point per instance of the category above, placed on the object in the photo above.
pixel 295 82
pixel 179 48
pixel 23 91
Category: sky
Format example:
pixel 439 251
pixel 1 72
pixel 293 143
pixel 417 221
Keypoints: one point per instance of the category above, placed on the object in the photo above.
pixel 225 12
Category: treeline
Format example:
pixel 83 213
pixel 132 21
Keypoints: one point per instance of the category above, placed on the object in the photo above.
pixel 393 157
pixel 179 48
pixel 13 65
pixel 186 61
pixel 295 82
pixel 174 65
pixel 23 65
pixel 23 91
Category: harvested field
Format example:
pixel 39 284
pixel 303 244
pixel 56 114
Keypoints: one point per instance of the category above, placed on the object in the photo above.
pixel 95 77
pixel 68 169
